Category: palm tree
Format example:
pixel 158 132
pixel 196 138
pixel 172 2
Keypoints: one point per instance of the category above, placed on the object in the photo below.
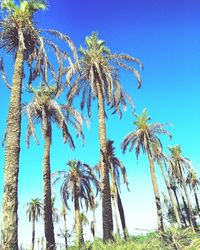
pixel 64 215
pixel 144 137
pixel 44 109
pixel 99 79
pixel 160 158
pixel 194 182
pixel 77 183
pixel 34 211
pixel 179 164
pixel 115 167
pixel 18 18
pixel 19 36
pixel 174 187
pixel 93 206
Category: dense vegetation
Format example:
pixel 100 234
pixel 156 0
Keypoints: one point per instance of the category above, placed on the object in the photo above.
pixel 92 74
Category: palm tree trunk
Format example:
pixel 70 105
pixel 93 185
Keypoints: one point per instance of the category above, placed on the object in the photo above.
pixel 78 223
pixel 156 193
pixel 48 221
pixel 191 218
pixel 33 232
pixel 65 228
pixel 115 214
pixel 122 215
pixel 94 222
pixel 196 199
pixel 11 165
pixel 167 183
pixel 107 218
pixel 179 207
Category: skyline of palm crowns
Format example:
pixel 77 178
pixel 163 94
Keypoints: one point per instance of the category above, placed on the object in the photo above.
pixel 101 173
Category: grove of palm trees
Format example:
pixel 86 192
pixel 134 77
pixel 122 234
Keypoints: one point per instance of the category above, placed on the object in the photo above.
pixel 99 117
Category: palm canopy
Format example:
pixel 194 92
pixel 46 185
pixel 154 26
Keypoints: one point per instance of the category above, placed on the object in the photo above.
pixel 145 136
pixel 44 106
pixel 192 179
pixel 116 167
pixel 18 30
pixel 34 209
pixel 81 176
pixel 178 163
pixel 98 65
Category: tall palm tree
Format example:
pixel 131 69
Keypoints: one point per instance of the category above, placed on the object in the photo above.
pixel 77 184
pixel 46 110
pixel 174 187
pixel 20 37
pixel 64 216
pixel 179 165
pixel 194 182
pixel 160 158
pixel 99 79
pixel 115 167
pixel 18 19
pixel 144 137
pixel 34 211
pixel 93 206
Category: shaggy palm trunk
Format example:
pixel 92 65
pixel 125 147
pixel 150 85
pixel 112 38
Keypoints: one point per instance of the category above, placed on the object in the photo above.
pixel 33 231
pixel 48 221
pixel 115 213
pixel 106 196
pixel 11 165
pixel 167 183
pixel 122 215
pixel 156 193
pixel 65 228
pixel 191 218
pixel 196 199
pixel 179 207
pixel 78 223
pixel 94 222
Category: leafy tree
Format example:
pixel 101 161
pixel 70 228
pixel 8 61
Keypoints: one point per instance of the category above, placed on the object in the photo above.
pixel 46 110
pixel 99 79
pixel 34 211
pixel 20 37
pixel 77 184
pixel 179 164
pixel 160 158
pixel 194 182
pixel 143 138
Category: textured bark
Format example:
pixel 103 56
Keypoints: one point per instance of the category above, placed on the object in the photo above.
pixel 107 218
pixel 115 214
pixel 94 222
pixel 78 223
pixel 196 199
pixel 33 231
pixel 156 193
pixel 65 228
pixel 122 215
pixel 48 221
pixel 179 207
pixel 167 183
pixel 11 165
pixel 191 217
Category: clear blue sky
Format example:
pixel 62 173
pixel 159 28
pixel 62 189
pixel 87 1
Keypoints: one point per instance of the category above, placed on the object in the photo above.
pixel 165 35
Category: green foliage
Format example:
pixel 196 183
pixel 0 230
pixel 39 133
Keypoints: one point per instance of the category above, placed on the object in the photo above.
pixel 172 239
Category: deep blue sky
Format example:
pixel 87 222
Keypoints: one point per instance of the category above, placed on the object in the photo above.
pixel 165 35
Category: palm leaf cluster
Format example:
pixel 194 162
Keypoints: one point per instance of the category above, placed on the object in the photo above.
pixel 99 65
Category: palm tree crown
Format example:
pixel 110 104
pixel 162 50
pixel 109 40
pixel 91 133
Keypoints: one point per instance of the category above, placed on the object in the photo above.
pixel 82 176
pixel 43 106
pixel 145 136
pixel 34 209
pixel 99 65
